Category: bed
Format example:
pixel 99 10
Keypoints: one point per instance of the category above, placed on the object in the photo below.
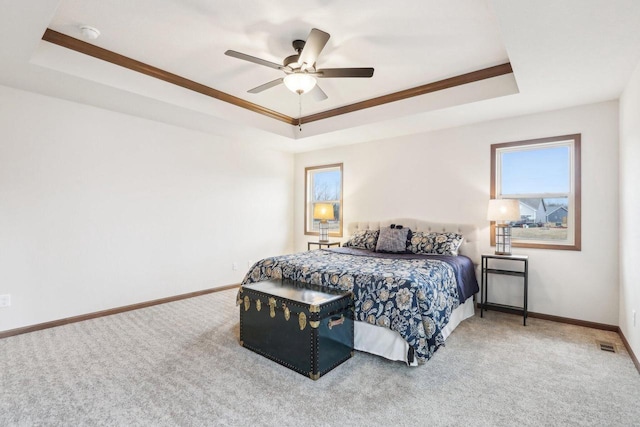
pixel 406 304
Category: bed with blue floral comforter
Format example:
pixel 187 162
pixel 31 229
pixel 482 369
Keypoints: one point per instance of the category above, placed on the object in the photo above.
pixel 413 295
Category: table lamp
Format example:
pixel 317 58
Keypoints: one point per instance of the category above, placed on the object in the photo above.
pixel 323 212
pixel 503 210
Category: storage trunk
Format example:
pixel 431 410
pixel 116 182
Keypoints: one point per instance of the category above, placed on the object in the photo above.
pixel 304 327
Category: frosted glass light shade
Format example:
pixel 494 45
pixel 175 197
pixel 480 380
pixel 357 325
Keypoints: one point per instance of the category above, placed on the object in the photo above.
pixel 299 82
pixel 503 210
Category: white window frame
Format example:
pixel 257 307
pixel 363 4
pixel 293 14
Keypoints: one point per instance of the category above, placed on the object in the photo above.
pixel 573 241
pixel 309 202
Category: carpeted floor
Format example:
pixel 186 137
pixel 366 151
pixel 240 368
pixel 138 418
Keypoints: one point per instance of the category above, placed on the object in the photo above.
pixel 180 364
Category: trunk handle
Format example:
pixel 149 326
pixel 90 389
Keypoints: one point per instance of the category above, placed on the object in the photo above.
pixel 336 322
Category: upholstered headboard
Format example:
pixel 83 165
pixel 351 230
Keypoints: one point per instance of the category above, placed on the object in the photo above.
pixel 470 246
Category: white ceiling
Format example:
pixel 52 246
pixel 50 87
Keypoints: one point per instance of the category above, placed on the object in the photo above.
pixel 563 53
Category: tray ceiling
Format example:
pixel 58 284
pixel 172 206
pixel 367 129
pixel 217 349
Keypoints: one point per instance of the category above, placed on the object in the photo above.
pixel 561 53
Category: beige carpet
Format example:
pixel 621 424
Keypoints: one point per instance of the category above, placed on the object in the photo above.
pixel 180 364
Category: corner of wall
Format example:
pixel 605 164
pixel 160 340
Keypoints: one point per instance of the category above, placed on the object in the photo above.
pixel 629 206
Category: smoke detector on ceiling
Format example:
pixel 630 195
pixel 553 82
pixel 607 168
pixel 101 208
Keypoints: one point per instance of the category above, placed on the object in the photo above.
pixel 89 33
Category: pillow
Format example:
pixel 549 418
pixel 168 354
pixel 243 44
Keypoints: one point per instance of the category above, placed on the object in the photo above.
pixel 393 240
pixel 446 243
pixel 421 243
pixel 363 239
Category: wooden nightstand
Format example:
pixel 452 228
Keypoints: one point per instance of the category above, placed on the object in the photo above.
pixel 484 285
pixel 321 244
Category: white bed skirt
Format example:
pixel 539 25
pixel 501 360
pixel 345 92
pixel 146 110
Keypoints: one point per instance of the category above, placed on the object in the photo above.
pixel 390 345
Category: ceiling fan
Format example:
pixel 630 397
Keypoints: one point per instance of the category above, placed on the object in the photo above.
pixel 300 69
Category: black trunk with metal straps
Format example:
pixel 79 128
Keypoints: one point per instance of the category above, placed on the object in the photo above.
pixel 306 328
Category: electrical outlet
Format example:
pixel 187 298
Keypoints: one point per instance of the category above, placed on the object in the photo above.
pixel 633 313
pixel 234 266
pixel 5 300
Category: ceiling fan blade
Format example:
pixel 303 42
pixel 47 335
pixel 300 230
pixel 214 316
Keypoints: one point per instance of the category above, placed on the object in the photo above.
pixel 313 46
pixel 344 72
pixel 318 94
pixel 266 86
pixel 253 59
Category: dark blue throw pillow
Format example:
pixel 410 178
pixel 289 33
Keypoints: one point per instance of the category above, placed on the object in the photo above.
pixel 394 240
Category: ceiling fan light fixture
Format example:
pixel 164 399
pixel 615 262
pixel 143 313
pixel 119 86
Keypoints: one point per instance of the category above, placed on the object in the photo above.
pixel 299 82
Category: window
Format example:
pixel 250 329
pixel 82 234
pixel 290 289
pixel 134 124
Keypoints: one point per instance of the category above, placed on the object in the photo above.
pixel 323 184
pixel 544 175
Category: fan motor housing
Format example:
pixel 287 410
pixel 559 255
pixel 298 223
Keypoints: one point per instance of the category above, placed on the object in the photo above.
pixel 298 45
pixel 293 59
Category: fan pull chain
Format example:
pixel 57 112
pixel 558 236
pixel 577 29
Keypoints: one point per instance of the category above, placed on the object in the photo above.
pixel 300 111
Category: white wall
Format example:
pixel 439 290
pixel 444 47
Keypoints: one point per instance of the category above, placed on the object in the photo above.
pixel 630 211
pixel 444 176
pixel 100 210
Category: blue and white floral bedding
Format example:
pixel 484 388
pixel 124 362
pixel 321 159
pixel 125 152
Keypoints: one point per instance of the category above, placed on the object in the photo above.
pixel 411 294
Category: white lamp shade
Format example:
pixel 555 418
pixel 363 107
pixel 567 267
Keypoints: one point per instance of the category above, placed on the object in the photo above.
pixel 503 210
pixel 299 82
pixel 323 211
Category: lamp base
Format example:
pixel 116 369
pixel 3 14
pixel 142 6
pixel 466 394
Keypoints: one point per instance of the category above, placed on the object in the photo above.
pixel 324 231
pixel 503 239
